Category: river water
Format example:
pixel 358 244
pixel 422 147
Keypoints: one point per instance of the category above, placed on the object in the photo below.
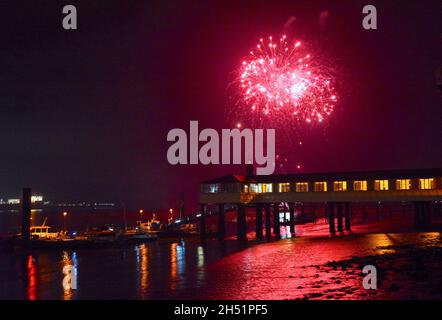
pixel 187 269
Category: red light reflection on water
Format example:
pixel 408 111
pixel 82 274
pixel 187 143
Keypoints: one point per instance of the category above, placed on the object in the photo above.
pixel 32 279
pixel 288 269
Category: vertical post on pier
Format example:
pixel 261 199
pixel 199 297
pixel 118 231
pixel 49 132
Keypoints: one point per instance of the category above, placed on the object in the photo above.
pixel 417 219
pixel 378 212
pixel 259 221
pixel 26 213
pixel 421 214
pixel 276 228
pixel 292 218
pixel 203 222
pixel 426 214
pixel 339 212
pixel 347 216
pixel 241 223
pixel 268 227
pixel 331 217
pixel 221 222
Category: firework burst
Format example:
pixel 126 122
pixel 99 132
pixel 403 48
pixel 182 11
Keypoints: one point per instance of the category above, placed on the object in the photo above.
pixel 283 79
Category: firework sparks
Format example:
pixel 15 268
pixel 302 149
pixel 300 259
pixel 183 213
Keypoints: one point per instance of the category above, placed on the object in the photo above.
pixel 284 79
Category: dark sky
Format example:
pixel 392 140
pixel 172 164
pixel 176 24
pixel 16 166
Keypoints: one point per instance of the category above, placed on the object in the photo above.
pixel 84 114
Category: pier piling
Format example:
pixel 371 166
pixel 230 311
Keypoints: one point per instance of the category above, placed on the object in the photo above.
pixel 268 227
pixel 221 222
pixel 241 223
pixel 339 213
pixel 203 222
pixel 26 213
pixel 276 228
pixel 292 218
pixel 331 217
pixel 347 216
pixel 259 222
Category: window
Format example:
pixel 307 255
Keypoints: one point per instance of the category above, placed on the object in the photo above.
pixel 360 185
pixel 284 187
pixel 403 184
pixel 340 185
pixel 302 187
pixel 426 184
pixel 267 187
pixel 255 188
pixel 380 185
pixel 214 188
pixel 260 187
pixel 321 186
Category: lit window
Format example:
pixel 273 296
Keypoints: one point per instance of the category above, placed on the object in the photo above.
pixel 380 185
pixel 213 188
pixel 255 188
pixel 360 185
pixel 284 187
pixel 321 186
pixel 267 187
pixel 260 187
pixel 426 184
pixel 340 185
pixel 403 184
pixel 302 187
pixel 246 188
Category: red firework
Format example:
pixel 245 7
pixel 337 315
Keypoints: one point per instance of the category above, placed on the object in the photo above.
pixel 283 79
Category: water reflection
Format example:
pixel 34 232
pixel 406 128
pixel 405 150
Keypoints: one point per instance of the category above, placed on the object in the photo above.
pixel 201 272
pixel 31 278
pixel 177 264
pixel 142 267
pixel 200 256
pixel 162 270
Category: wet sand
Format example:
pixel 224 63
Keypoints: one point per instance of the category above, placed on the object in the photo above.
pixel 408 267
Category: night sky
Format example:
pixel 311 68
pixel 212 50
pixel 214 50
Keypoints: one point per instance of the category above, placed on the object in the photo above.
pixel 85 113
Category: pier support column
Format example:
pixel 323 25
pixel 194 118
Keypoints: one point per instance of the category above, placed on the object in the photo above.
pixel 339 214
pixel 428 214
pixel 241 223
pixel 221 222
pixel 331 217
pixel 422 214
pixel 203 222
pixel 276 228
pixel 26 213
pixel 347 216
pixel 425 214
pixel 259 221
pixel 268 227
pixel 292 218
pixel 417 215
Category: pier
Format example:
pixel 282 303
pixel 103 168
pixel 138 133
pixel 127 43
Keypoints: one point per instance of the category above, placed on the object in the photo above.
pixel 335 193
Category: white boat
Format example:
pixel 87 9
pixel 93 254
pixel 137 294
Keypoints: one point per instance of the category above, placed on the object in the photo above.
pixel 150 226
pixel 42 232
pixel 136 235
